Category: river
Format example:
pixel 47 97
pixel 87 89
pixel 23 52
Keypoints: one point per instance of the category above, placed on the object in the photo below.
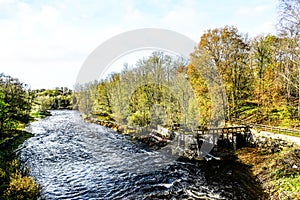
pixel 72 159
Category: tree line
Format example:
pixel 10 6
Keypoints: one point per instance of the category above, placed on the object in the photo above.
pixel 155 91
pixel 52 99
pixel 260 75
pixel 19 104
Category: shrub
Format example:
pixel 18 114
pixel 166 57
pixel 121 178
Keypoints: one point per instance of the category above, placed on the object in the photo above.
pixel 21 187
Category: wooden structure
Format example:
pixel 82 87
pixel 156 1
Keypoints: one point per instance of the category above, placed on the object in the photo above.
pixel 235 137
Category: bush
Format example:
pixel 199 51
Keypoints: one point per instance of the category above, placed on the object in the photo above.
pixel 21 187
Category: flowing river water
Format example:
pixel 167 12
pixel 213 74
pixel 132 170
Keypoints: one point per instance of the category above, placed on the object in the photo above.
pixel 72 159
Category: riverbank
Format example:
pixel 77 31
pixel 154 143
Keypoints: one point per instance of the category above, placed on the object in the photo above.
pixel 277 172
pixel 136 134
pixel 15 184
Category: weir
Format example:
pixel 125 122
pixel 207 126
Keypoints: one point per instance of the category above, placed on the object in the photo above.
pixel 189 143
pixel 232 137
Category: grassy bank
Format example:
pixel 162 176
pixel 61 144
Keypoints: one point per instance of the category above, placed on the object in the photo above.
pixel 13 183
pixel 37 114
pixel 278 173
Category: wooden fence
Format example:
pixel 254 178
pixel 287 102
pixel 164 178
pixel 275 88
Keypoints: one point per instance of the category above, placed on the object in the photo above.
pixel 275 129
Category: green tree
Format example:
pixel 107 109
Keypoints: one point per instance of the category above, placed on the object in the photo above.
pixel 102 105
pixel 15 103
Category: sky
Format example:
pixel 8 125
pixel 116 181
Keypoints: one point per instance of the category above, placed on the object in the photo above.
pixel 45 42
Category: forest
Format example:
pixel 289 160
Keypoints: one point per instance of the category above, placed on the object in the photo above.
pixel 260 76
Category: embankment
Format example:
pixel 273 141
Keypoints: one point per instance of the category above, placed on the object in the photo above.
pixel 275 162
pixel 14 184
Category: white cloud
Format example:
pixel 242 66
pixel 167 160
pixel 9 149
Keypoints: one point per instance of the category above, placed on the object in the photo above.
pixel 257 19
pixel 49 16
pixel 188 18
pixel 38 44
pixel 42 41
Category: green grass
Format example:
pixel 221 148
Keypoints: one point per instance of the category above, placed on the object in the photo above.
pixel 291 183
pixel 39 114
pixel 280 117
pixel 286 178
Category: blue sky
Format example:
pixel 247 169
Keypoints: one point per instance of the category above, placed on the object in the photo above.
pixel 44 43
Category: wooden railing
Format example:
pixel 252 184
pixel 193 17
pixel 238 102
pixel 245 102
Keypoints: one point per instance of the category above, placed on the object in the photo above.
pixel 275 129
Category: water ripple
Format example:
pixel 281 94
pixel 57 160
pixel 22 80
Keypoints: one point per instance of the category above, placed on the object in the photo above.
pixel 72 159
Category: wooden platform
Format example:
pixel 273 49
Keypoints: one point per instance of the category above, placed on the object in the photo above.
pixel 235 137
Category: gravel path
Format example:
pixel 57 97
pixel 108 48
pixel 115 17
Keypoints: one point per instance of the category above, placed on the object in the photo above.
pixel 292 139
